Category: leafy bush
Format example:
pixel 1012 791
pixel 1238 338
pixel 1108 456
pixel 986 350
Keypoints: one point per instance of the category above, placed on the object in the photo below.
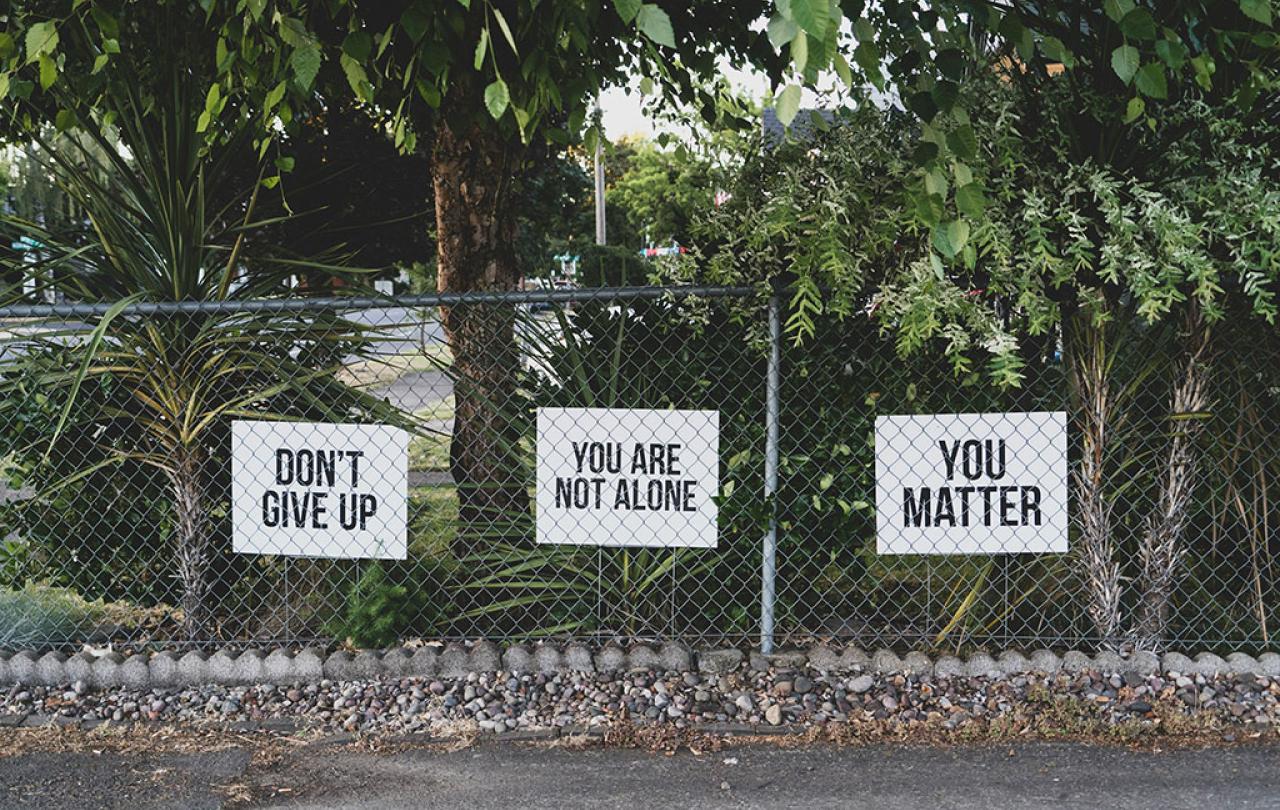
pixel 41 614
pixel 391 602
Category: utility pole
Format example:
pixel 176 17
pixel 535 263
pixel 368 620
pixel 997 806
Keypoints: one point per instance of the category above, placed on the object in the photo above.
pixel 601 236
pixel 600 226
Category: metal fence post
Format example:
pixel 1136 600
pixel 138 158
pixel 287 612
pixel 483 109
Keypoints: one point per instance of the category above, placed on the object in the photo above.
pixel 769 567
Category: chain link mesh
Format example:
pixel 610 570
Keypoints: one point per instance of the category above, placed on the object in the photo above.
pixel 117 445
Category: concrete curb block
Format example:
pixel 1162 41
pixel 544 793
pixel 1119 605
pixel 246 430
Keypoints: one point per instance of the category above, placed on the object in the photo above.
pixel 457 660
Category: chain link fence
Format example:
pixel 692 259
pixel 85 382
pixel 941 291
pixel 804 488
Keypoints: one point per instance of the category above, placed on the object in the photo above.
pixel 118 438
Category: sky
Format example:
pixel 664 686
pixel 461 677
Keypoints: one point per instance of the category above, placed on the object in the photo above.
pixel 623 112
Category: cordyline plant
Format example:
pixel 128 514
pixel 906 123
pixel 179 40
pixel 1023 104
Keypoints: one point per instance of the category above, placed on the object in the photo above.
pixel 160 225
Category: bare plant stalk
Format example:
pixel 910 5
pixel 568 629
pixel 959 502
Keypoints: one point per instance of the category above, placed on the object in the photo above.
pixel 1095 402
pixel 193 537
pixel 1161 548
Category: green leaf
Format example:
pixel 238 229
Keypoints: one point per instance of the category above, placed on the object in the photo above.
pixel 812 15
pixel 356 78
pixel 64 120
pixel 646 86
pixel 1259 10
pixel 48 71
pixel 7 46
pixel 1172 52
pixel 1151 81
pixel 496 98
pixel 654 23
pixel 414 22
pixel 1138 24
pixel 284 164
pixel 99 62
pixel 1124 61
pixel 4 84
pixel 949 238
pixel 971 201
pixel 1058 52
pixel 963 141
pixel 929 207
pixel 863 32
pixel 506 30
pixel 1116 9
pixel 42 38
pixel 781 31
pixel 951 63
pixel 1135 109
pixel 627 9
pixel 202 123
pixel 358 45
pixel 481 48
pixel 305 62
pixel 788 104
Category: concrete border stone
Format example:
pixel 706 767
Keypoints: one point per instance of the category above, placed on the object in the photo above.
pixel 547 659
pixel 719 662
pixel 79 669
pixel 22 667
pixel 1177 662
pixel 135 672
pixel 917 663
pixel 193 667
pixel 1269 663
pixel 577 657
pixel 398 662
pixel 886 661
pixel 250 667
pixel 641 658
pixel 164 669
pixel 1074 661
pixel 278 667
pixel 980 665
pixel 949 666
pixel 823 659
pixel 675 657
pixel 453 662
pixel 51 668
pixel 1046 661
pixel 610 658
pixel 854 657
pixel 457 660
pixel 425 661
pixel 106 670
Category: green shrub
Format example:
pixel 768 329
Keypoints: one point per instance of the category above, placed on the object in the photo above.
pixel 390 602
pixel 39 615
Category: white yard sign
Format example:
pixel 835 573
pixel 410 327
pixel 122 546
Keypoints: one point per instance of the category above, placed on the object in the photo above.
pixel 319 490
pixel 627 477
pixel 974 483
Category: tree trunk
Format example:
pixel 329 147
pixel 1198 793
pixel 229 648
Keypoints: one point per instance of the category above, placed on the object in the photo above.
pixel 1090 367
pixel 193 538
pixel 475 237
pixel 1161 549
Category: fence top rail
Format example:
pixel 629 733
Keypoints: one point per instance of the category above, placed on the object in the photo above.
pixel 304 304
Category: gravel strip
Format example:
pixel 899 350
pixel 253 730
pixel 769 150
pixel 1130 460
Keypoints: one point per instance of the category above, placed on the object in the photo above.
pixel 794 699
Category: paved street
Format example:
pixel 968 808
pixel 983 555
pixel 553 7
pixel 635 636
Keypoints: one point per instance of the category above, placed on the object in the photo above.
pixel 506 775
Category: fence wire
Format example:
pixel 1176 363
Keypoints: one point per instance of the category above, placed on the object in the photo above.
pixel 116 507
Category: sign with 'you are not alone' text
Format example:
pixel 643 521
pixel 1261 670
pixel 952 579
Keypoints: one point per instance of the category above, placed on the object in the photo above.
pixel 627 477
pixel 976 483
pixel 319 489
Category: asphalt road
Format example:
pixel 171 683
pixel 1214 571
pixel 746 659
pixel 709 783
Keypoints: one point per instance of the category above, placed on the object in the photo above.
pixel 507 775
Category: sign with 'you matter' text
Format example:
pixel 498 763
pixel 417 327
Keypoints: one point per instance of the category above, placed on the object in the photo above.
pixel 319 489
pixel 971 483
pixel 627 477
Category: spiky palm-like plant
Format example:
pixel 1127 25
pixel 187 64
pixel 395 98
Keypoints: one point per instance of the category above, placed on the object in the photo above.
pixel 160 223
